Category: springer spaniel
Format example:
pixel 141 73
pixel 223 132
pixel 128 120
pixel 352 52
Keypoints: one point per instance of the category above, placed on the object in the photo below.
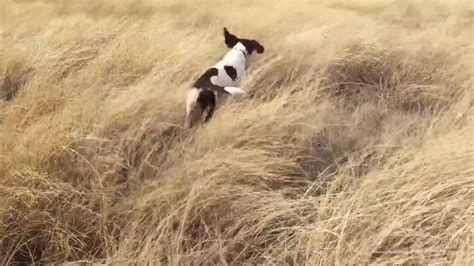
pixel 221 80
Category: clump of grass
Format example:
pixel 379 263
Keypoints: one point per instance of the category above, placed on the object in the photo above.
pixel 13 76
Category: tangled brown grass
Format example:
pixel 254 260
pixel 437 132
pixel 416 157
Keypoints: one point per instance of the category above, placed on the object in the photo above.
pixel 355 144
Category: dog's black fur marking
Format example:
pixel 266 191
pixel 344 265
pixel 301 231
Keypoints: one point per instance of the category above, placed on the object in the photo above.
pixel 207 99
pixel 231 72
pixel 212 106
pixel 230 39
pixel 207 95
pixel 251 45
pixel 204 81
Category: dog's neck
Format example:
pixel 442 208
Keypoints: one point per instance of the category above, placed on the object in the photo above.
pixel 240 47
pixel 236 57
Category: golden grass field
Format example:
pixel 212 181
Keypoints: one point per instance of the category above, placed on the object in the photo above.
pixel 354 145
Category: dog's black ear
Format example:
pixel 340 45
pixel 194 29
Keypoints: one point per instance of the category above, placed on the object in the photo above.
pixel 230 39
pixel 252 45
pixel 259 48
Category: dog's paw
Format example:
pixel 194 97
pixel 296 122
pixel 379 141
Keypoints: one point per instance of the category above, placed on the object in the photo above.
pixel 234 90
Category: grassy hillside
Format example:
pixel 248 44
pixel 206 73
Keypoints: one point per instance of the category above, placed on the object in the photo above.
pixel 355 144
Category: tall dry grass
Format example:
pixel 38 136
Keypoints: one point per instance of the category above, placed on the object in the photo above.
pixel 355 144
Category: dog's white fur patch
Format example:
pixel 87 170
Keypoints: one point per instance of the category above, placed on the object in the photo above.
pixel 191 99
pixel 235 58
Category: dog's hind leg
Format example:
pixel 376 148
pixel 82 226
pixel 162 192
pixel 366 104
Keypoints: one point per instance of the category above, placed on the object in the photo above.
pixel 211 101
pixel 193 109
pixel 210 112
pixel 193 116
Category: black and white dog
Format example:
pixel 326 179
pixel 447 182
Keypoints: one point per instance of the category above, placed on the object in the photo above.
pixel 221 80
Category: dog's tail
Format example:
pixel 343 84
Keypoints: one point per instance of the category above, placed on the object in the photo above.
pixel 234 90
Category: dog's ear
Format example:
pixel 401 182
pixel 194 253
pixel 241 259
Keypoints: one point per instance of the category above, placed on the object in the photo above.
pixel 258 47
pixel 252 45
pixel 230 39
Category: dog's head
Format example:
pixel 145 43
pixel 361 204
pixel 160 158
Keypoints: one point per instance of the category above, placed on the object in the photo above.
pixel 250 45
